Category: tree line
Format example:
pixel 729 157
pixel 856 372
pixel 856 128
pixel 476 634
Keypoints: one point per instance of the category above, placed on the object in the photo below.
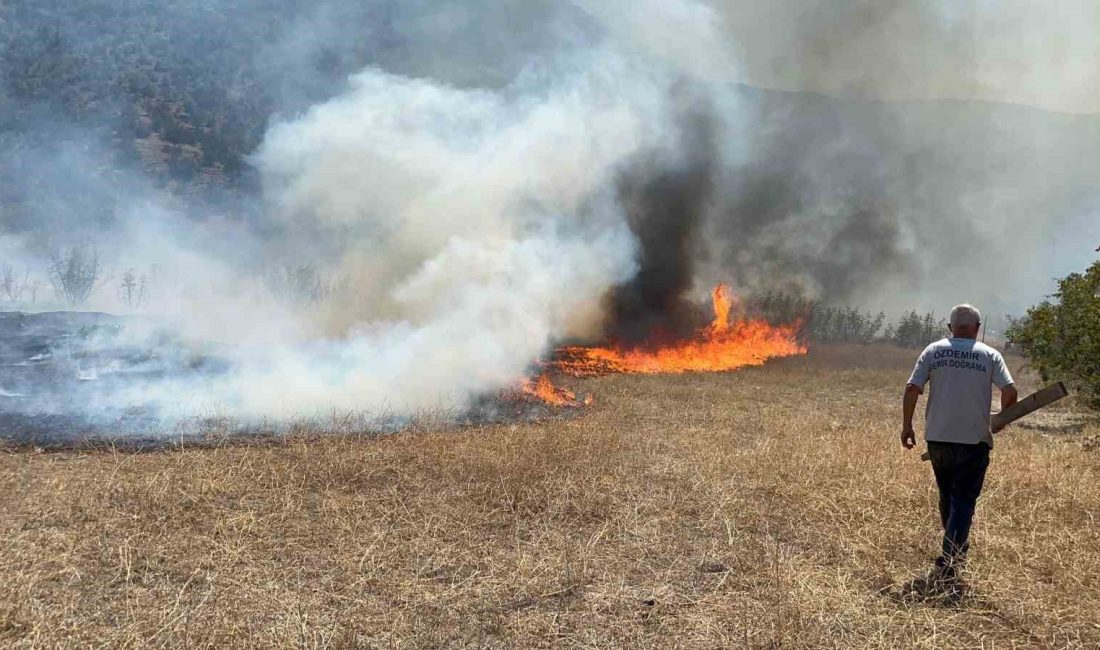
pixel 826 323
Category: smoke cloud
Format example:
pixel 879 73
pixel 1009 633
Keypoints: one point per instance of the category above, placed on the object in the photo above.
pixel 1020 52
pixel 905 183
pixel 434 196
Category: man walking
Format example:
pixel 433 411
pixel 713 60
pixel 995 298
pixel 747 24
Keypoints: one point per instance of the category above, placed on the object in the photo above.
pixel 962 371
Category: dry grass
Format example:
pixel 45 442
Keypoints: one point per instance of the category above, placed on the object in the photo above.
pixel 764 508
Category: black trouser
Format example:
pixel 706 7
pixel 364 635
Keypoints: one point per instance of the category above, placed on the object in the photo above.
pixel 960 472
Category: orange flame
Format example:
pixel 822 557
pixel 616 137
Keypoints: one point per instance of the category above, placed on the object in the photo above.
pixel 722 300
pixel 545 391
pixel 722 345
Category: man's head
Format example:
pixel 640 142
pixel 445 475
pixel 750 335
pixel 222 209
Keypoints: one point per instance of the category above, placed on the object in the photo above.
pixel 965 322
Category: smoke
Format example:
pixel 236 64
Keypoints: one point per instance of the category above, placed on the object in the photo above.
pixel 476 226
pixel 1014 51
pixel 666 202
pixel 470 228
pixel 904 183
pixel 445 192
pixel 479 226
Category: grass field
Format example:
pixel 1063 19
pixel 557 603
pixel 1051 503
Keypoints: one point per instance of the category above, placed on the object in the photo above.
pixel 771 507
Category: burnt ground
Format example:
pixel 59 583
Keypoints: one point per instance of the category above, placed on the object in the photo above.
pixel 63 376
pixel 60 373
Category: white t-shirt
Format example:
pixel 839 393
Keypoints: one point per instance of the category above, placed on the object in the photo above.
pixel 962 372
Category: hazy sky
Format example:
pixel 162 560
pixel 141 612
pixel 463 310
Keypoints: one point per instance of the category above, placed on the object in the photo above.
pixel 1045 54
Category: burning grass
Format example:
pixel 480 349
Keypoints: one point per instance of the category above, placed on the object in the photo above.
pixel 766 507
pixel 729 342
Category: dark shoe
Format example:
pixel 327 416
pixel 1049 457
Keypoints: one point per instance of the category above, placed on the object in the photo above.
pixel 950 568
pixel 953 593
pixel 921 587
pixel 941 581
pixel 947 584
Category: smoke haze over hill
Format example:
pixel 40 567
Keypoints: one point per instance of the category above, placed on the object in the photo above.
pixel 469 183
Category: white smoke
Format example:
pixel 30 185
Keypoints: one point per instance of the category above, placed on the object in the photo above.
pixel 477 227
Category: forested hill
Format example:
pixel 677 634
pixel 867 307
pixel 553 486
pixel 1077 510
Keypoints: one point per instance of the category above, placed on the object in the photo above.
pixel 184 86
pixel 184 89
pixel 187 87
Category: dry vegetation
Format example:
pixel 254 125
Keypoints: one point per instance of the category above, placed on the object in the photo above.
pixel 764 508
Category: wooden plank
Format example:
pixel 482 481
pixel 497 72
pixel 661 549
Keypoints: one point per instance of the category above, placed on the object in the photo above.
pixel 1026 406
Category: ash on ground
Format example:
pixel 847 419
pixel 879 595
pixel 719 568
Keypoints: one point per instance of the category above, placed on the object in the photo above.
pixel 63 376
pixel 61 373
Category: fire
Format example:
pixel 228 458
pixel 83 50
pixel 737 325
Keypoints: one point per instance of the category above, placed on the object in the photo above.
pixel 722 300
pixel 545 391
pixel 722 345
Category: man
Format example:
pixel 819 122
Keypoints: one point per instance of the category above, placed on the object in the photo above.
pixel 962 372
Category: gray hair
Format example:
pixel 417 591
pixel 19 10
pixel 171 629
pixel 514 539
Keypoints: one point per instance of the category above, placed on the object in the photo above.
pixel 965 315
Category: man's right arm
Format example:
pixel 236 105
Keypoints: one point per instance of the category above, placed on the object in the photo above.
pixel 908 407
pixel 913 388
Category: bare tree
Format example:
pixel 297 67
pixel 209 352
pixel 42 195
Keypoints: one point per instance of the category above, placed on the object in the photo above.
pixel 74 273
pixel 15 288
pixel 131 289
pixel 303 284
pixel 11 288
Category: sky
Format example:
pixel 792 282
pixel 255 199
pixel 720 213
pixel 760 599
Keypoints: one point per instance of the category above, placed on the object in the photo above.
pixel 1042 54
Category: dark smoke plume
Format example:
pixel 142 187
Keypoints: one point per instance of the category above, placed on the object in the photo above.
pixel 813 208
pixel 666 202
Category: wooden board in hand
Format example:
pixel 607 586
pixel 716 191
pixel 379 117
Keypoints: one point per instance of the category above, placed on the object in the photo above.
pixel 1027 405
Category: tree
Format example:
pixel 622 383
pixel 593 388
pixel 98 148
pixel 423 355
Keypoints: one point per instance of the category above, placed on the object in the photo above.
pixel 1061 337
pixel 131 289
pixel 74 273
pixel 911 330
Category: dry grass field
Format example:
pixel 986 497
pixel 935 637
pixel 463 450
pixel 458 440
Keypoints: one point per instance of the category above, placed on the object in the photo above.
pixel 771 507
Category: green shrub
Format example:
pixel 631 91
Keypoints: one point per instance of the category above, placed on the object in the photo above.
pixel 1061 337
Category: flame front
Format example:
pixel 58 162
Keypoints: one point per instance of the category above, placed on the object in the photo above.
pixel 722 345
